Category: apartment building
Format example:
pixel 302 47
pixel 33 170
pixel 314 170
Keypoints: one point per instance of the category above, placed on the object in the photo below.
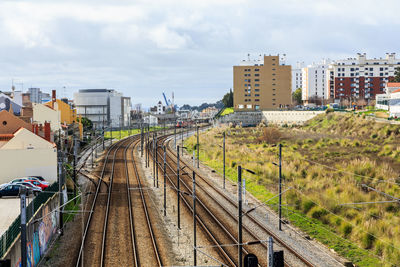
pixel 103 106
pixel 360 78
pixel 297 76
pixel 262 84
pixel 314 82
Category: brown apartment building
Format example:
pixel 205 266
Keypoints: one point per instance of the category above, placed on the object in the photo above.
pixel 262 84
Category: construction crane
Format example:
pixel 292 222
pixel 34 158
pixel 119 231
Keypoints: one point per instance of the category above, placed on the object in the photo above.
pixel 168 102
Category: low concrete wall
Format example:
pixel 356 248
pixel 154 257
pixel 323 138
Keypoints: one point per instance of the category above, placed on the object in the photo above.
pixel 288 117
pixel 242 118
pixel 39 234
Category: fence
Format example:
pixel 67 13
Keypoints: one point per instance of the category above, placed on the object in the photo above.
pixel 37 228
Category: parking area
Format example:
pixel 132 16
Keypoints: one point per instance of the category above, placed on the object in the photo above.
pixel 10 209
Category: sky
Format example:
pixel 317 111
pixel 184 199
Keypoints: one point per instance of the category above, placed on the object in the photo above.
pixel 144 48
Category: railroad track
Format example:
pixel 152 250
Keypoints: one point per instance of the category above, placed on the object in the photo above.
pixel 219 218
pixel 117 214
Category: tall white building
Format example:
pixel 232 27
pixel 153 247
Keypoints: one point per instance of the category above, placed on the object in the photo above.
pixel 314 82
pixel 297 76
pixel 103 105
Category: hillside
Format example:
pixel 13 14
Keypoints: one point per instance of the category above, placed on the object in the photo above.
pixel 334 159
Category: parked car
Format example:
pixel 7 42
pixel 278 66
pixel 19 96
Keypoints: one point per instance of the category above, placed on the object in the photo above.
pixel 40 178
pixel 37 183
pixel 10 190
pixel 30 186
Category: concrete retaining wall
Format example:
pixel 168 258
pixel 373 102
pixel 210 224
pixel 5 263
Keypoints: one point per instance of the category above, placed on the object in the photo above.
pixel 242 118
pixel 288 117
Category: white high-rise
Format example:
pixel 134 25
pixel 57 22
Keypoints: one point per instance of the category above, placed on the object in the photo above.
pixel 297 76
pixel 314 82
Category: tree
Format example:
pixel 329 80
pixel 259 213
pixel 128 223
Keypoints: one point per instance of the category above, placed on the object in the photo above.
pixel 228 99
pixel 297 96
pixel 87 124
pixel 396 78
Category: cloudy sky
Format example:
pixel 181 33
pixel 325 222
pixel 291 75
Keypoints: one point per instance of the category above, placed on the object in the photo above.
pixel 144 48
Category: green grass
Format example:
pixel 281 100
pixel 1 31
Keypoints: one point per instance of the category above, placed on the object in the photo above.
pixel 125 133
pixel 227 111
pixel 71 207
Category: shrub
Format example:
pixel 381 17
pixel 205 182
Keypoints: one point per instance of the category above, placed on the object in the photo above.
pixel 346 229
pixel 329 110
pixel 271 135
pixel 318 213
pixel 307 205
pixel 368 240
pixel 374 135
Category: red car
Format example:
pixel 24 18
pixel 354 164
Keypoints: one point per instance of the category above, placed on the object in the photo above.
pixel 37 183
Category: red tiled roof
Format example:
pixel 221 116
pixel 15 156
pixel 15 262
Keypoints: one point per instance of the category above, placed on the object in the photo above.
pixel 396 91
pixel 393 84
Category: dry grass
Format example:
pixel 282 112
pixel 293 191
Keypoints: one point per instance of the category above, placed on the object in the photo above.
pixel 355 156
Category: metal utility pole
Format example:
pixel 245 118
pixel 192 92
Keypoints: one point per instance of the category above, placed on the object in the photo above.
pixel 175 134
pixel 92 152
pixel 280 187
pixel 156 163
pixel 240 215
pixel 145 148
pixel 165 181
pixel 198 148
pixel 223 146
pixel 148 147
pixel 74 165
pixel 141 140
pixel 194 221
pixel 60 184
pixel 22 195
pixel 182 130
pixel 178 189
pixel 120 127
pixel 154 158
pixel 270 252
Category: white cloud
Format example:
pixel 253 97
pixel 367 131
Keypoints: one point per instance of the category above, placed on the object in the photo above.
pixel 187 46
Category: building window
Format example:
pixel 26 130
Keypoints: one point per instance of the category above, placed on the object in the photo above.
pixel 257 90
pixel 257 74
pixel 240 106
pixel 257 95
pixel 256 69
pixel 257 80
pixel 248 106
pixel 257 100
pixel 257 107
pixel 256 85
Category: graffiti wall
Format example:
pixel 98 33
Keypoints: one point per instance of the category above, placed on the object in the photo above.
pixel 39 235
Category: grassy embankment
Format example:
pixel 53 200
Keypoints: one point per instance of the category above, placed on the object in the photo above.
pixel 125 133
pixel 326 162
pixel 227 111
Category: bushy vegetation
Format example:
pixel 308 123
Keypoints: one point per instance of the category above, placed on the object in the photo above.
pixel 332 160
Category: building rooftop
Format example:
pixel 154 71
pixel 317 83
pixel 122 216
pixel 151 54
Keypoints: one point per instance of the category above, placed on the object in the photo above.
pixel 95 90
pixel 393 84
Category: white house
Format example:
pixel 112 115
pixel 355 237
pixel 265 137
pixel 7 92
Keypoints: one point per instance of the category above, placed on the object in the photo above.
pixel 43 113
pixel 24 153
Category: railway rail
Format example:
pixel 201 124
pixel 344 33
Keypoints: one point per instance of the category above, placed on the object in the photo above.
pixel 119 207
pixel 218 218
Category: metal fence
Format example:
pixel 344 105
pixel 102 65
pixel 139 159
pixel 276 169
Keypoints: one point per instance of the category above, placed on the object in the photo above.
pixel 12 233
